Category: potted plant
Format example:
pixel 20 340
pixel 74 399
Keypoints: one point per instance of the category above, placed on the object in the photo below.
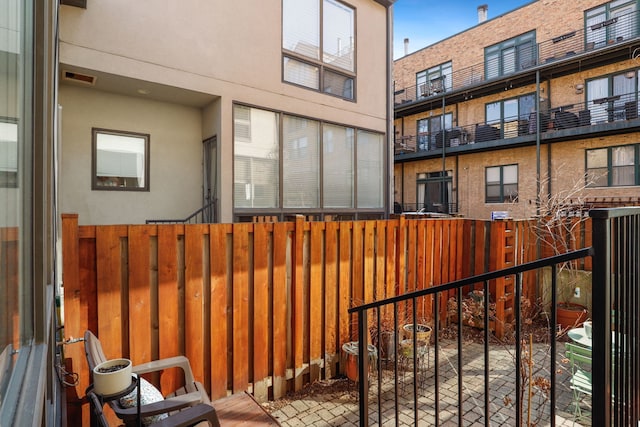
pixel 112 376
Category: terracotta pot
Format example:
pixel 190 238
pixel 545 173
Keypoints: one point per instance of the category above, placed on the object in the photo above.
pixel 571 315
pixel 350 358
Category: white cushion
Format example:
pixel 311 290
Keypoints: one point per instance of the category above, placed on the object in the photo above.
pixel 148 394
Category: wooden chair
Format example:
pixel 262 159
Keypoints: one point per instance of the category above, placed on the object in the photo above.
pixel 192 394
pixel 580 359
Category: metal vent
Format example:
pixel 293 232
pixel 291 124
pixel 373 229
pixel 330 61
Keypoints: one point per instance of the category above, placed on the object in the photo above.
pixel 80 78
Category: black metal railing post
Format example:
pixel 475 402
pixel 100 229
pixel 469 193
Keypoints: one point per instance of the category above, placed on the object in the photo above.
pixel 363 368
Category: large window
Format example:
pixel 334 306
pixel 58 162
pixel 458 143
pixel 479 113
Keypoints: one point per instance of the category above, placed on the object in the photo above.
pixel 435 80
pixel 501 184
pixel 434 192
pixel 612 22
pixel 614 97
pixel 322 165
pixel 430 135
pixel 511 116
pixel 318 42
pixel 120 160
pixel 510 56
pixel 613 166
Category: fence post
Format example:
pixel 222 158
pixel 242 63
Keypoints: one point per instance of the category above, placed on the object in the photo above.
pixel 601 311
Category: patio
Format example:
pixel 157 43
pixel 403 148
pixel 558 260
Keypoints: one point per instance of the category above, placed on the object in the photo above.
pixel 334 402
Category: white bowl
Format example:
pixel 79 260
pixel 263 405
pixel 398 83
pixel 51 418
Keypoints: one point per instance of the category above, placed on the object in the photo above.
pixel 107 383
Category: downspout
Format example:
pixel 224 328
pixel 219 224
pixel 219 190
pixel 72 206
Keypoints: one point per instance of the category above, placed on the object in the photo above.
pixel 537 142
pixel 389 74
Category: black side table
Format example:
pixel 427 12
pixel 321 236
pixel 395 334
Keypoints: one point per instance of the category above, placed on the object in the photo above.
pixel 97 401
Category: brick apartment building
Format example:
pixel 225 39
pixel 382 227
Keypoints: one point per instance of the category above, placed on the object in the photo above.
pixel 539 101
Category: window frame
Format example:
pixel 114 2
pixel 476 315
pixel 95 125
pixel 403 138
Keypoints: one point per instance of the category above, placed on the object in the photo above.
pixel 325 70
pixel 502 121
pixel 353 135
pixel 601 32
pixel 94 159
pixel 428 80
pixel 611 167
pixel 502 198
pixel 428 138
pixel 516 44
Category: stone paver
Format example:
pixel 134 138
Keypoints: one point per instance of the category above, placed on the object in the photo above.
pixel 344 412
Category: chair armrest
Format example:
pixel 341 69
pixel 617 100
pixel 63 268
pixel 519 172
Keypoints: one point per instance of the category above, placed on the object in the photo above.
pixel 164 406
pixel 191 416
pixel 170 362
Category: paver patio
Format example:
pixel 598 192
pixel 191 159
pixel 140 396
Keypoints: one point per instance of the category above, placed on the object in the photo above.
pixel 320 409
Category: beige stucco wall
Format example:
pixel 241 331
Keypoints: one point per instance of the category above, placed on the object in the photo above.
pixel 175 157
pixel 231 50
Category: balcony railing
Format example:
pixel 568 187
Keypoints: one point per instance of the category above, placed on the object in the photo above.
pixel 562 47
pixel 611 109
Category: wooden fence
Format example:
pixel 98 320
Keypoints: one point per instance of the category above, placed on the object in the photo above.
pixel 260 306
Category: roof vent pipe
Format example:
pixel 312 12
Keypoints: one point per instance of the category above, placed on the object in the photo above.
pixel 482 13
pixel 406 47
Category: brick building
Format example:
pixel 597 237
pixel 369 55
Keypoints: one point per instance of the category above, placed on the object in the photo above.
pixel 539 101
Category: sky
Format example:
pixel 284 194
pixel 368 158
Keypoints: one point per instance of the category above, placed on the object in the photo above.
pixel 425 22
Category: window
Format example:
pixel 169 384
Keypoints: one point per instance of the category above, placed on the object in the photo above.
pixel 511 116
pixel 613 166
pixel 434 192
pixel 510 56
pixel 256 160
pixel 614 97
pixel 318 42
pixel 430 133
pixel 434 80
pixel 120 160
pixel 8 153
pixel 300 162
pixel 501 184
pixel 610 23
pixel 322 165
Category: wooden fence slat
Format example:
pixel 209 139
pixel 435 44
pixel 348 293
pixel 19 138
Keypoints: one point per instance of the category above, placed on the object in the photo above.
pixel 344 288
pixel 194 297
pixel 280 309
pixel 139 295
pixel 111 325
pixel 261 324
pixel 316 300
pixel 297 300
pixel 331 338
pixel 368 278
pixel 219 314
pixel 240 294
pixel 169 329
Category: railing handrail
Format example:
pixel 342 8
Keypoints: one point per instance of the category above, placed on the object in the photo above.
pixel 509 271
pixel 185 220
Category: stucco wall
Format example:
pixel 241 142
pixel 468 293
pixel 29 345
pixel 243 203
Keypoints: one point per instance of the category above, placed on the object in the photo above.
pixel 175 157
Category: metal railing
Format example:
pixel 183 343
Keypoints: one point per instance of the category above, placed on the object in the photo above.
pixel 607 110
pixel 616 318
pixel 559 48
pixel 616 336
pixel 204 215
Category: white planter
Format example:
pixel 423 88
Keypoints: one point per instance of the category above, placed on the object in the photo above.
pixel 113 382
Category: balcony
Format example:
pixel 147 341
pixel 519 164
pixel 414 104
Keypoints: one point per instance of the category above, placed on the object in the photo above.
pixel 608 115
pixel 574 50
